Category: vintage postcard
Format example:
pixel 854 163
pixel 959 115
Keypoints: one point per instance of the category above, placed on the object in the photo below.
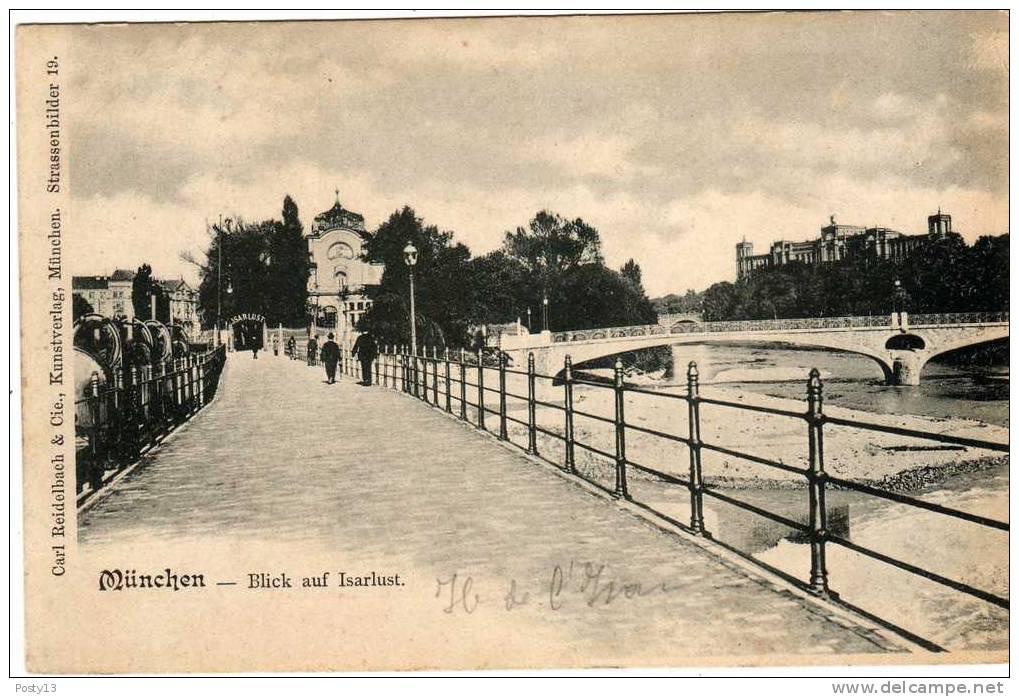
pixel 515 342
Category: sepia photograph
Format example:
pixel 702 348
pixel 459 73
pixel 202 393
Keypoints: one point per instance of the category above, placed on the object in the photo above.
pixel 523 342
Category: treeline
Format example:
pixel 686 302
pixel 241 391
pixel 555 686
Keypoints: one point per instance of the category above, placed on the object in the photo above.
pixel 263 268
pixel 673 303
pixel 945 275
pixel 553 258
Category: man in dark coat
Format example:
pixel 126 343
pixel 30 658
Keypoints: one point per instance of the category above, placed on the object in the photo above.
pixel 365 350
pixel 330 356
pixel 312 349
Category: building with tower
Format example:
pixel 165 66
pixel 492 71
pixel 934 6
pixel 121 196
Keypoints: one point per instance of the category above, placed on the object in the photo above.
pixel 339 277
pixel 839 242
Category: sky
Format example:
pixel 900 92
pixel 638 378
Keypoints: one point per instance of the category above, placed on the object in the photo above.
pixel 675 136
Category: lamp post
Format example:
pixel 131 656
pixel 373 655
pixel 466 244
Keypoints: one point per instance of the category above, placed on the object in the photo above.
pixel 544 311
pixel 410 257
pixel 528 320
pixel 219 280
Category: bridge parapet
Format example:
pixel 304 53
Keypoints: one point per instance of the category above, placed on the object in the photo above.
pixel 756 325
pixel 958 318
pixel 611 333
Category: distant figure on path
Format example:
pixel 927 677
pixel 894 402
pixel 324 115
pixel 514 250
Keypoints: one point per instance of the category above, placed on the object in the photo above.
pixel 292 348
pixel 312 349
pixel 330 356
pixel 365 350
pixel 275 346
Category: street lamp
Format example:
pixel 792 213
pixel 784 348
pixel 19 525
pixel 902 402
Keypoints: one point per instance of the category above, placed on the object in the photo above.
pixel 410 257
pixel 544 311
pixel 528 319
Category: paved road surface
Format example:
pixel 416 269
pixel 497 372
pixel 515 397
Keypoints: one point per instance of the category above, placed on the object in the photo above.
pixel 281 455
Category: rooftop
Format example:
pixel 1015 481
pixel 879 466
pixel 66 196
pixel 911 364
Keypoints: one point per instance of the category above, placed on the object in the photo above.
pixel 337 217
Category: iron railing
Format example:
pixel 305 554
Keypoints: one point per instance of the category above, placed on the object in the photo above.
pixel 951 318
pixel 458 384
pixel 136 408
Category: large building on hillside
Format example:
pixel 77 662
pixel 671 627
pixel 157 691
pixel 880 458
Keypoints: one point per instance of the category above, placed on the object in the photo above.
pixel 339 278
pixel 838 242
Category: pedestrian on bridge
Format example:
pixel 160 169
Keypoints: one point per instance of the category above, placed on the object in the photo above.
pixel 275 346
pixel 366 350
pixel 292 348
pixel 330 356
pixel 312 349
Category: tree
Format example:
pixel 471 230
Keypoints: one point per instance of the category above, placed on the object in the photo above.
pixel 501 289
pixel 720 302
pixel 990 265
pixel 551 244
pixel 631 271
pixel 288 270
pixel 142 289
pixel 442 283
pixel 240 285
pixel 592 296
pixel 80 306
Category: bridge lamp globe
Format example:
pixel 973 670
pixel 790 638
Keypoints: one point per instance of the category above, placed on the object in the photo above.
pixel 410 255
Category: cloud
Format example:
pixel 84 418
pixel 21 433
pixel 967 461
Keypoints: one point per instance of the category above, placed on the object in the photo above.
pixel 674 136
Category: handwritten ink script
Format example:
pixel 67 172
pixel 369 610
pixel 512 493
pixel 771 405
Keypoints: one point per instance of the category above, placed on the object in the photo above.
pixel 571 585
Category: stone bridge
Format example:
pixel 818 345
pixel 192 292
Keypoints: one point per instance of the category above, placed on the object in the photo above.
pixel 674 318
pixel 901 344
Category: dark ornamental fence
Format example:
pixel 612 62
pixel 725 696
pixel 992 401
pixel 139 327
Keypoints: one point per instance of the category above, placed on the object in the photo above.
pixel 120 420
pixel 474 388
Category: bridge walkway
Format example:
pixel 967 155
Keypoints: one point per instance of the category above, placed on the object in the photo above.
pixel 369 473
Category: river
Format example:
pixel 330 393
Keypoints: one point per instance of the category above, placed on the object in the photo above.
pixel 853 381
pixel 957 549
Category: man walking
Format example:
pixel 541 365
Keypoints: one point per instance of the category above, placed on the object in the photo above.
pixel 312 349
pixel 365 350
pixel 330 356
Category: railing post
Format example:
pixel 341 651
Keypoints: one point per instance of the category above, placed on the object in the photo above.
pixel 421 375
pixel 816 477
pixel 96 468
pixel 201 383
pixel 503 433
pixel 435 376
pixel 571 463
pixel 481 389
pixel 404 384
pixel 136 413
pixel 532 433
pixel 694 446
pixel 463 385
pixel 403 368
pixel 192 386
pixel 449 397
pixel 621 489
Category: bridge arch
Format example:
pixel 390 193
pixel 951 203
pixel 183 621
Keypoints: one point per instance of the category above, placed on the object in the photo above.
pixel 585 352
pixel 905 342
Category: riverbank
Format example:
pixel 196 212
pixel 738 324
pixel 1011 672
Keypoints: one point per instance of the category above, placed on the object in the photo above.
pixel 885 460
